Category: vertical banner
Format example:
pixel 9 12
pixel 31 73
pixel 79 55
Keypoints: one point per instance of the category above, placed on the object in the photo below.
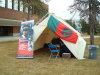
pixel 78 26
pixel 25 46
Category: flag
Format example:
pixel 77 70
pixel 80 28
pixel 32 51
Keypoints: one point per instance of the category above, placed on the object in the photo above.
pixel 62 31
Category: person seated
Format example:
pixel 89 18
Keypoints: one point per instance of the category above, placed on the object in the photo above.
pixel 63 47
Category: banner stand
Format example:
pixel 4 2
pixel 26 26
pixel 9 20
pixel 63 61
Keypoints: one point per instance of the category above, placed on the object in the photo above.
pixel 22 56
pixel 25 46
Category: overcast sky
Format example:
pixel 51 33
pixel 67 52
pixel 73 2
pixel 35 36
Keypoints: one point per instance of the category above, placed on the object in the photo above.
pixel 61 8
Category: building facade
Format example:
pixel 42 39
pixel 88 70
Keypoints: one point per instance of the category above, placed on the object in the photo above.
pixel 12 13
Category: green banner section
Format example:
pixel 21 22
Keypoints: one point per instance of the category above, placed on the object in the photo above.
pixel 53 23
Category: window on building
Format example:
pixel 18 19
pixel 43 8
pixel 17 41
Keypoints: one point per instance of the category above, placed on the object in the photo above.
pixel 21 6
pixel 31 11
pixel 10 4
pixel 26 9
pixel 2 3
pixel 15 4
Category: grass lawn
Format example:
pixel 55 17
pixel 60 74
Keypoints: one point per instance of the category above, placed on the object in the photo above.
pixel 9 65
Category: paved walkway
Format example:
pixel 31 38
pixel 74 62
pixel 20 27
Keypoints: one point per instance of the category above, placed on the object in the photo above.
pixel 89 36
pixel 10 38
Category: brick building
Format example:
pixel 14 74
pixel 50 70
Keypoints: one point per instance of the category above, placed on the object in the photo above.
pixel 12 13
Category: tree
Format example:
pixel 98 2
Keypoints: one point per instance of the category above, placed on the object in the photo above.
pixel 85 26
pixel 72 23
pixel 88 9
pixel 38 7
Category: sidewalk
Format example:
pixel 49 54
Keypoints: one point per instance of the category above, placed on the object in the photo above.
pixel 8 38
pixel 89 36
pixel 11 38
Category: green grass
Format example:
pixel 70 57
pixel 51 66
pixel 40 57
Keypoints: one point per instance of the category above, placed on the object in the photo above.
pixel 9 65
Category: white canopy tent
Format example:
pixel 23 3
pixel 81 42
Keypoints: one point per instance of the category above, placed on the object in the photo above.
pixel 43 34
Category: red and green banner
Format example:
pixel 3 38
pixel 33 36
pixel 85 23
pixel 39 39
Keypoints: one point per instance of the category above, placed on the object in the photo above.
pixel 62 30
pixel 25 47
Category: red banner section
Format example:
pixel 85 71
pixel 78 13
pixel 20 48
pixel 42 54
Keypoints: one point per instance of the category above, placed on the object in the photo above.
pixel 65 33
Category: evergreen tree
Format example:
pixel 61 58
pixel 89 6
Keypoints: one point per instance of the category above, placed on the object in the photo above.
pixel 91 10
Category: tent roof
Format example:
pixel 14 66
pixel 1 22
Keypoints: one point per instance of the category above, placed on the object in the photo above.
pixel 42 35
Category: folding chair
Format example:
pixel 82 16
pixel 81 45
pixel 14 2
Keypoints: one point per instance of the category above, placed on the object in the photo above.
pixel 53 49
